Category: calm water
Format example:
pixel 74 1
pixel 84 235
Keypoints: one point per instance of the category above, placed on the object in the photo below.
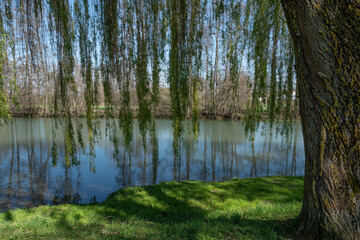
pixel 30 175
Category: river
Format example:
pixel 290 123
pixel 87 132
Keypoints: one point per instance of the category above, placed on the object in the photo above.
pixel 33 169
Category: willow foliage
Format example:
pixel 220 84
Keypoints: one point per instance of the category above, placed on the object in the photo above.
pixel 60 19
pixel 142 79
pixel 269 37
pixel 61 24
pixel 134 48
pixel 127 61
pixel 178 68
pixel 85 48
pixel 110 48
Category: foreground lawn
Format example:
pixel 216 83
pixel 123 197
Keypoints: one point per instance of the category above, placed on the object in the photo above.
pixel 261 208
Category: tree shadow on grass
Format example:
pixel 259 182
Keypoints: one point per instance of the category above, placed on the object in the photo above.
pixel 184 211
pixel 233 227
pixel 8 216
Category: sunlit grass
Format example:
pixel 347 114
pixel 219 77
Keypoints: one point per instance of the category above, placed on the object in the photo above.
pixel 260 208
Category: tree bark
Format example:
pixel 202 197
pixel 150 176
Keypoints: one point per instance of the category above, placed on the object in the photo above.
pixel 326 37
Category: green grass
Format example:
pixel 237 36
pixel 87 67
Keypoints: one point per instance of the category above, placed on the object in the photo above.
pixel 261 208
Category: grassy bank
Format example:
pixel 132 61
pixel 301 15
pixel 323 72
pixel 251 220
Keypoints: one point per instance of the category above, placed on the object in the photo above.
pixel 261 208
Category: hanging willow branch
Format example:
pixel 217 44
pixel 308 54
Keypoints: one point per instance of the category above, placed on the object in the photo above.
pixel 64 37
pixel 156 57
pixel 85 49
pixel 127 54
pixel 269 31
pixel 142 81
pixel 110 48
pixel 178 69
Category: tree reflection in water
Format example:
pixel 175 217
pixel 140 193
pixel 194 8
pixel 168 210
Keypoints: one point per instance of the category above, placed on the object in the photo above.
pixel 38 167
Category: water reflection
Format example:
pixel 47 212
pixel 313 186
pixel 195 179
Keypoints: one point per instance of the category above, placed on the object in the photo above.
pixel 35 169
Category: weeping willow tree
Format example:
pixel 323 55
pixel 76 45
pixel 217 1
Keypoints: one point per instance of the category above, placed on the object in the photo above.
pixel 201 50
pixel 327 52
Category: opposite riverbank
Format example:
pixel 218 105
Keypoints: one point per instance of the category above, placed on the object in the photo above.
pixel 100 112
pixel 253 208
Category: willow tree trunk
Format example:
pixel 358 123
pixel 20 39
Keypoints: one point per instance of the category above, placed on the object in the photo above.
pixel 326 36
